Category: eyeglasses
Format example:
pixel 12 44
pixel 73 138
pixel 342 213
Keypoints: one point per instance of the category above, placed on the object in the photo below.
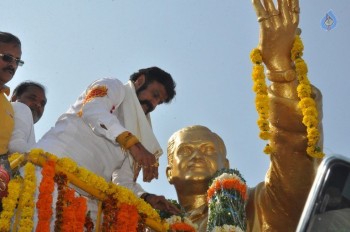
pixel 10 59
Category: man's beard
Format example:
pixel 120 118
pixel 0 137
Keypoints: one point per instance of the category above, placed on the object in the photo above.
pixel 149 105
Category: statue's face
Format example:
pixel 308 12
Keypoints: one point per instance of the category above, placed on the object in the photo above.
pixel 196 156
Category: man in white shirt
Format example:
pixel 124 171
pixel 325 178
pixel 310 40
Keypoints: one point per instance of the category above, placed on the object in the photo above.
pixel 28 101
pixel 108 130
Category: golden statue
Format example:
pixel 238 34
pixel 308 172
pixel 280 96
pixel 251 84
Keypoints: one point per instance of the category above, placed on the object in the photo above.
pixel 195 153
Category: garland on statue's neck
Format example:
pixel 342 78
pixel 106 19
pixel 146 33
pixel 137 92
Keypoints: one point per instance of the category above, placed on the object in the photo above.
pixel 307 104
pixel 227 199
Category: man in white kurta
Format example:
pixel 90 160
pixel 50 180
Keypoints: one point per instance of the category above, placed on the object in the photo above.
pixel 89 132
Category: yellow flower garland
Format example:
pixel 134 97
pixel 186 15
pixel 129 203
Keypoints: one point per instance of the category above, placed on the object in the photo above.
pixel 307 104
pixel 26 201
pixel 9 203
pixel 261 99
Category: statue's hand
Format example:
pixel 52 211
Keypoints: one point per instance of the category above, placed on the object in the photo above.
pixel 278 27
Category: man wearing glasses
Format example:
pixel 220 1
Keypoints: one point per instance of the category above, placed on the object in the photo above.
pixel 10 59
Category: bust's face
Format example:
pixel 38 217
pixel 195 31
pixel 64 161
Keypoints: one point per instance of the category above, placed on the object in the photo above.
pixel 196 156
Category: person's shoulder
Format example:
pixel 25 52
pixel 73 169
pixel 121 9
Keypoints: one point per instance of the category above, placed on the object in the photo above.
pixel 108 81
pixel 20 107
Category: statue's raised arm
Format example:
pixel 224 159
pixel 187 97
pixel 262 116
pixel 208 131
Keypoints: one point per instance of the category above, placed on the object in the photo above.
pixel 276 204
pixel 278 27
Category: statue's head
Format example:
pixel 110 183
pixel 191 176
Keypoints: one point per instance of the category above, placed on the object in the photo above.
pixel 195 153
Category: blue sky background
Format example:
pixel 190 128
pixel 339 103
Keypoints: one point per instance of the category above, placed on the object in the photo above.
pixel 204 44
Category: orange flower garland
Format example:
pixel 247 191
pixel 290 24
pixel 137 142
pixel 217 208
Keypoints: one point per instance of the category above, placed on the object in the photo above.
pixel 180 226
pixel 118 194
pixel 80 206
pixel 127 218
pixel 73 212
pixel 227 199
pixel 44 203
pixel 228 184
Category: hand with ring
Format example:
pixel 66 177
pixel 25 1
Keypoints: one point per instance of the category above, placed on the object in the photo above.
pixel 278 27
pixel 144 160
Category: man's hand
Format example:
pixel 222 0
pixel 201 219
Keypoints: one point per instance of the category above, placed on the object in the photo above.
pixel 278 26
pixel 160 203
pixel 144 160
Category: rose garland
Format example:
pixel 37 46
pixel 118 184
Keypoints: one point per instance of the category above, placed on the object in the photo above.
pixel 44 202
pixel 26 201
pixel 89 225
pixel 227 198
pixel 109 215
pixel 307 103
pixel 9 203
pixel 61 181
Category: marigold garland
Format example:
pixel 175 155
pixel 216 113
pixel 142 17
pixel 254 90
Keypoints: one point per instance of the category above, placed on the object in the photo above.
pixel 74 210
pixel 44 202
pixel 182 224
pixel 261 98
pixel 127 218
pixel 307 103
pixel 9 203
pixel 119 193
pixel 80 206
pixel 26 201
pixel 96 184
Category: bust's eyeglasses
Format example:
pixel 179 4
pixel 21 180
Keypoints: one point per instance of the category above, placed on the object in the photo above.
pixel 10 59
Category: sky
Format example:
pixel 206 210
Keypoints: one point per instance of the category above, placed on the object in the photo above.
pixel 204 44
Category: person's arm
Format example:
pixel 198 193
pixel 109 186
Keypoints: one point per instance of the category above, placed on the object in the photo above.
pixel 96 107
pixel 281 198
pixel 23 136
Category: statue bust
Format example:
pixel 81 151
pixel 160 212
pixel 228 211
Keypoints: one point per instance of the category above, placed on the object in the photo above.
pixel 195 153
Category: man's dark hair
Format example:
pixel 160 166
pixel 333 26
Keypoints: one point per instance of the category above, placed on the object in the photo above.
pixel 159 75
pixel 6 37
pixel 22 87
